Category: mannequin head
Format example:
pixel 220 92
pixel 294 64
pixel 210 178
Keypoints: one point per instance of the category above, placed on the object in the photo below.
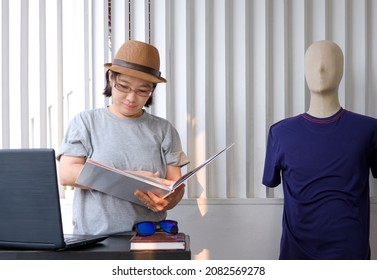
pixel 323 67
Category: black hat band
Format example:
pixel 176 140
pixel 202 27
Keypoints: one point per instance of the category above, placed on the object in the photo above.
pixel 137 67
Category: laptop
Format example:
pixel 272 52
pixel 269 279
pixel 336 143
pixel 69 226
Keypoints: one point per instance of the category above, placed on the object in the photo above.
pixel 30 213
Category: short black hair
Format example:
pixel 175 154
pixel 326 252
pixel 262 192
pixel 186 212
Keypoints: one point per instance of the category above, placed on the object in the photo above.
pixel 108 88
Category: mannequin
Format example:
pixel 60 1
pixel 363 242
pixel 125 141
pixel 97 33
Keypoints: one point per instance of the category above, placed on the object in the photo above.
pixel 323 73
pixel 323 159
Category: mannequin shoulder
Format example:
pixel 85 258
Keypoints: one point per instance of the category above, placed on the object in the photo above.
pixel 290 121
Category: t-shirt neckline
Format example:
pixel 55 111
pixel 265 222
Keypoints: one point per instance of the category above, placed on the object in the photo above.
pixel 126 120
pixel 326 120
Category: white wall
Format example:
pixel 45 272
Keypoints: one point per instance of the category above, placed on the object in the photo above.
pixel 234 67
pixel 231 229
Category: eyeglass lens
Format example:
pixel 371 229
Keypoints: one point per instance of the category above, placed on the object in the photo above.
pixel 127 89
pixel 149 228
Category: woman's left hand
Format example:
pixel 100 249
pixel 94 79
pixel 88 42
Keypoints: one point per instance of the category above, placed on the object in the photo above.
pixel 157 203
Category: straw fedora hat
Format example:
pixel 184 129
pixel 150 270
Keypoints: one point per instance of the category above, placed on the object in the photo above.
pixel 139 60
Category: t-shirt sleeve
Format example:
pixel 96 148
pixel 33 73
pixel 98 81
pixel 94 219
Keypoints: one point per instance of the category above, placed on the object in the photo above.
pixel 271 173
pixel 76 141
pixel 172 149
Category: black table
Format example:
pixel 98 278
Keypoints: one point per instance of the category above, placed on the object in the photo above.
pixel 115 247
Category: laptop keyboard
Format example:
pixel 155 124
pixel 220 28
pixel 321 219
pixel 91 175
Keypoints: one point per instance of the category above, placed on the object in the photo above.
pixel 69 240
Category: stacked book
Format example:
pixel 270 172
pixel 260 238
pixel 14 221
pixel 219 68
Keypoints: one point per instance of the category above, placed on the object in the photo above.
pixel 159 241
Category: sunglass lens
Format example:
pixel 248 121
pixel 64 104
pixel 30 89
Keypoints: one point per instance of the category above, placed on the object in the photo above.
pixel 145 228
pixel 169 226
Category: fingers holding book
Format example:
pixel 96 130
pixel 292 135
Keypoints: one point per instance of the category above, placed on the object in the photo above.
pixel 157 203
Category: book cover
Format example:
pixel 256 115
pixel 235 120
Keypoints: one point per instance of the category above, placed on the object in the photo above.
pixel 158 241
pixel 123 184
pixel 118 183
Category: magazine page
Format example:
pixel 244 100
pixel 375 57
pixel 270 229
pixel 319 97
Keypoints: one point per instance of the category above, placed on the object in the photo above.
pixel 191 173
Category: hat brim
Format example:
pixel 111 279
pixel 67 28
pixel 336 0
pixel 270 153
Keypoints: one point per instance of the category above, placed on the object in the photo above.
pixel 134 73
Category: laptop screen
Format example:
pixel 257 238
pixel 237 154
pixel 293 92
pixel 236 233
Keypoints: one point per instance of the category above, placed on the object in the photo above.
pixel 30 214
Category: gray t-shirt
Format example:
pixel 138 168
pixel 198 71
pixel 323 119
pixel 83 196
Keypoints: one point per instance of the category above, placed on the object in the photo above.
pixel 146 143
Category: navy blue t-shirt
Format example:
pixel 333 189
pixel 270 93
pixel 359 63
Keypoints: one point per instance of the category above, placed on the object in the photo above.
pixel 324 165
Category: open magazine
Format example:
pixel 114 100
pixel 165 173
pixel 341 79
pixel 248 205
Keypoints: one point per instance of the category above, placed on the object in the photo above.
pixel 123 184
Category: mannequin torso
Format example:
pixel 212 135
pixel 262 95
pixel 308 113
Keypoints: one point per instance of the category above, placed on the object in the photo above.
pixel 323 159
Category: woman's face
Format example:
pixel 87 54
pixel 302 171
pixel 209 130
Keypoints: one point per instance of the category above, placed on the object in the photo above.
pixel 129 95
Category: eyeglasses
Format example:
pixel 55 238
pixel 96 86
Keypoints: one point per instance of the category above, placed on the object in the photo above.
pixel 127 89
pixel 149 228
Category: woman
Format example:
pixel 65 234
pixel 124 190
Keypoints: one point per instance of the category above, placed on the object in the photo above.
pixel 125 137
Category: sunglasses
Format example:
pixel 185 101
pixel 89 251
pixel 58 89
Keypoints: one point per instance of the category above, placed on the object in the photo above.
pixel 149 228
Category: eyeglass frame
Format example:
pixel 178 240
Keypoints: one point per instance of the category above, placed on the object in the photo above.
pixel 129 89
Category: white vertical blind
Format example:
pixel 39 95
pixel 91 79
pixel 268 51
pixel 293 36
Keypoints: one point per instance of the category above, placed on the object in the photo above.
pixel 234 67
pixel 100 50
pixel 59 121
pixel 5 117
pixel 24 71
pixel 42 74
